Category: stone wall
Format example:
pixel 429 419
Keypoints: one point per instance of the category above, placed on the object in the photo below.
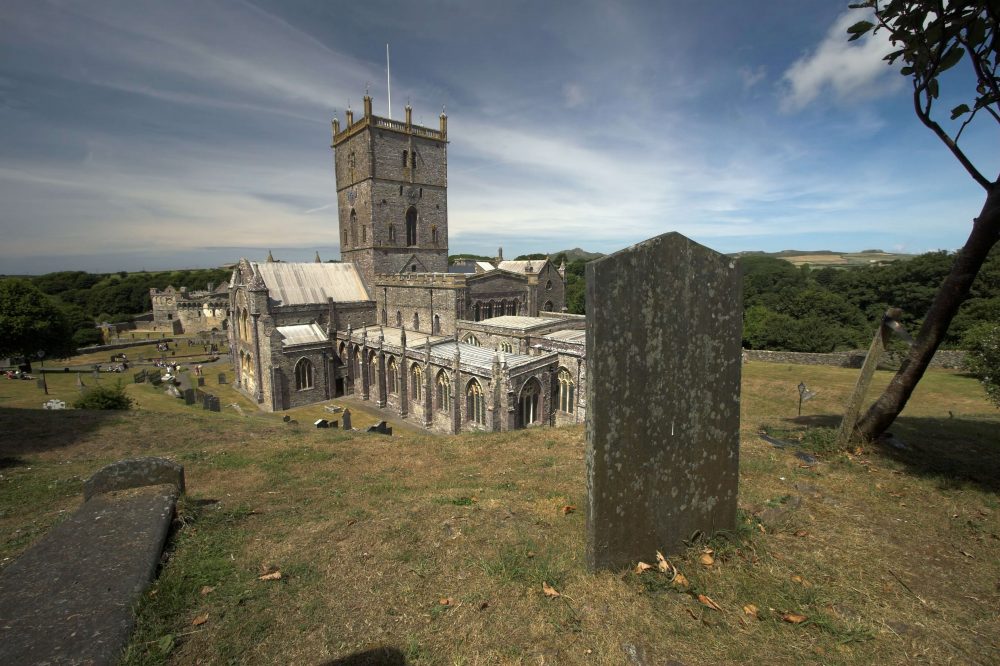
pixel 418 303
pixel 944 358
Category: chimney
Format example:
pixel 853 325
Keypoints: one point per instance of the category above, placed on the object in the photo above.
pixel 499 254
pixel 317 259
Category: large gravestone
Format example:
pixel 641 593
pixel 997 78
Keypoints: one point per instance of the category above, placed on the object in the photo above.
pixel 664 325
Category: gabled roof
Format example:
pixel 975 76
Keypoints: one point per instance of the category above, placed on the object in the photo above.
pixel 478 357
pixel 311 283
pixel 301 334
pixel 484 266
pixel 522 266
pixel 575 336
pixel 401 264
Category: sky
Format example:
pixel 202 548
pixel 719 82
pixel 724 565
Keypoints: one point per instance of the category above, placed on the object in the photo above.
pixel 140 135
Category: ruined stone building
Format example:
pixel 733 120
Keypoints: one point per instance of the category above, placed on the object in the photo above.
pixel 485 350
pixel 183 311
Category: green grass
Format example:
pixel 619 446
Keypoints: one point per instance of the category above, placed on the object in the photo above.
pixel 371 533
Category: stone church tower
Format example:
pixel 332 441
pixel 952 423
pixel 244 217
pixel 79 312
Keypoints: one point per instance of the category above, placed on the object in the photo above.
pixel 392 194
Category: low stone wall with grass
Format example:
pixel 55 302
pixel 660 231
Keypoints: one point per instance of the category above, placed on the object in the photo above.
pixel 121 345
pixel 945 358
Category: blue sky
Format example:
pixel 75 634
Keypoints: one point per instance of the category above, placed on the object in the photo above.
pixel 189 133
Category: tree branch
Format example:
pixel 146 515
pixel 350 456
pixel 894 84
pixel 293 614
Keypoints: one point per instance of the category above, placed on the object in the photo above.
pixel 959 154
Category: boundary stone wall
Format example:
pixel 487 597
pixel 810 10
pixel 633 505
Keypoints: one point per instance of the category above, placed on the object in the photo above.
pixel 944 358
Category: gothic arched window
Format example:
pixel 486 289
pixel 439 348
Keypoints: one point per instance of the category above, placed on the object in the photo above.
pixel 475 406
pixel 470 339
pixel 416 381
pixel 437 325
pixel 354 228
pixel 303 374
pixel 411 226
pixel 416 321
pixel 443 392
pixel 567 391
pixel 391 376
pixel 527 403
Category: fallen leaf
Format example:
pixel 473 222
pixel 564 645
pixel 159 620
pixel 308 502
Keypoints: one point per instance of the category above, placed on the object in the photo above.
pixel 531 553
pixel 680 580
pixel 662 564
pixel 751 610
pixel 965 553
pixel 271 576
pixel 707 601
pixel 706 560
pixel 569 508
pixel 446 601
pixel 794 618
pixel 801 581
pixel 207 589
pixel 549 590
pixel 801 533
pixel 642 566
pixel 201 619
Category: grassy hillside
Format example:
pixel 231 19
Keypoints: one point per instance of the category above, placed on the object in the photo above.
pixel 436 548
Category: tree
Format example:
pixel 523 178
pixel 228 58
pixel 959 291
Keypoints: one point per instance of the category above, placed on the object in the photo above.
pixel 983 358
pixel 931 37
pixel 105 397
pixel 31 322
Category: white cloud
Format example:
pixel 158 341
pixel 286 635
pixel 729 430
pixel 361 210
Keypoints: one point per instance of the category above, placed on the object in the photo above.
pixel 751 76
pixel 849 69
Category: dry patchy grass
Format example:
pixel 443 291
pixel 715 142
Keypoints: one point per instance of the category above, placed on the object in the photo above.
pixel 889 553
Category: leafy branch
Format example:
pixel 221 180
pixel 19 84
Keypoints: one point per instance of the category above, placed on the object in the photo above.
pixel 931 37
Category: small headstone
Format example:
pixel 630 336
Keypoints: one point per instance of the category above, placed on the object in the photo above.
pixel 663 446
pixel 189 398
pixel 134 473
pixel 347 419
pixel 321 423
pixel 201 381
pixel 222 378
pixel 286 418
pixel 334 424
pixel 214 405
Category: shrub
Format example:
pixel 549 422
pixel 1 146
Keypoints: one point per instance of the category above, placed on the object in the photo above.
pixel 982 344
pixel 105 397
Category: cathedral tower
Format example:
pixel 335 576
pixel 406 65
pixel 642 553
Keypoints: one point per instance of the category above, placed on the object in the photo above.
pixel 392 194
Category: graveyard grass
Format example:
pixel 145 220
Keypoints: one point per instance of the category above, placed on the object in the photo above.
pixel 438 546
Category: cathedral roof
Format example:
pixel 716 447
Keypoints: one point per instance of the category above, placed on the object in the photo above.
pixel 519 322
pixel 311 283
pixel 575 336
pixel 301 334
pixel 476 356
pixel 530 266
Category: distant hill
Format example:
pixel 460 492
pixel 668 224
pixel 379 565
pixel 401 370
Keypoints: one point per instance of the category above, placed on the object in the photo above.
pixel 577 253
pixel 823 258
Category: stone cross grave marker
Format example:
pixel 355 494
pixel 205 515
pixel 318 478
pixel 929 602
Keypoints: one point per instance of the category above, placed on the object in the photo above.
pixel 664 328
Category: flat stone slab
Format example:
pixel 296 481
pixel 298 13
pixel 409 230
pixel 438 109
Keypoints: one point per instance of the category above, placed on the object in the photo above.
pixel 133 473
pixel 69 598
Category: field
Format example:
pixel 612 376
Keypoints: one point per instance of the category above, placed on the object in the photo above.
pixel 425 549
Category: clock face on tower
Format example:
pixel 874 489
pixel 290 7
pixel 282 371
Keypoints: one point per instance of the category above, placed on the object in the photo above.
pixel 411 194
pixel 352 196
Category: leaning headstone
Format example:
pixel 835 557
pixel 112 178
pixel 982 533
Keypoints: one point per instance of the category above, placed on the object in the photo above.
pixel 134 473
pixel 172 391
pixel 664 321
pixel 222 378
pixel 347 419
pixel 189 398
